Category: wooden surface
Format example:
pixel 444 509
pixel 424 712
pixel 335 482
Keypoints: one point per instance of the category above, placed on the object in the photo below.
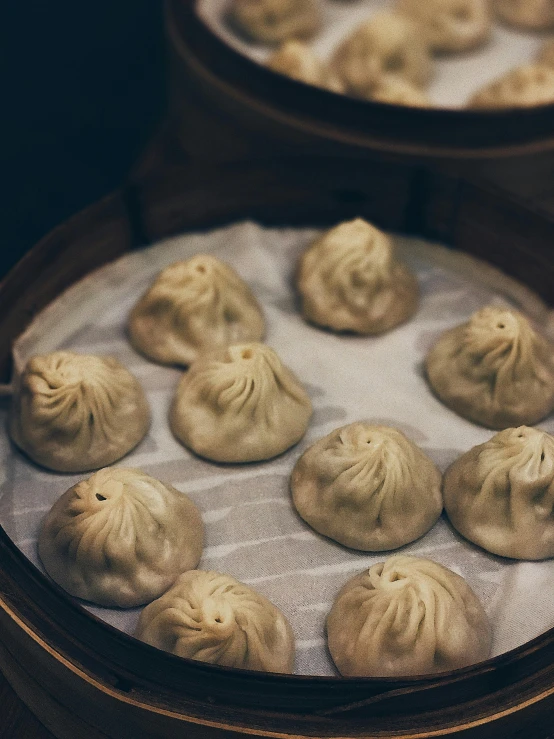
pixel 16 721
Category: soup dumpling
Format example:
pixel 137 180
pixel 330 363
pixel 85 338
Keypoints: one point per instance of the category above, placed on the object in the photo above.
pixel 274 21
pixel 500 495
pixel 451 25
pixel 194 305
pixel 368 487
pixel 524 87
pixel 77 412
pixel 350 280
pixel 388 43
pixel 296 60
pixel 214 618
pixel 527 14
pixel 240 404
pixel 120 538
pixel 494 370
pixel 406 616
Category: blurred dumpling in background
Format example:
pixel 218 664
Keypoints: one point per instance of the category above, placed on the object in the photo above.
pixel 296 60
pixel 500 495
pixel 120 538
pixel 274 21
pixel 546 55
pixel 214 618
pixel 397 91
pixel 494 370
pixel 451 25
pixel 523 87
pixel 406 616
pixel 351 280
pixel 194 305
pixel 527 14
pixel 388 43
pixel 77 412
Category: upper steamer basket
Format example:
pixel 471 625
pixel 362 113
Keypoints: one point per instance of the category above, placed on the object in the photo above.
pixel 227 106
pixel 85 679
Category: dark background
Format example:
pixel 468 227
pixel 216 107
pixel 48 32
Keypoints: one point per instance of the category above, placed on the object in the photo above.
pixel 83 90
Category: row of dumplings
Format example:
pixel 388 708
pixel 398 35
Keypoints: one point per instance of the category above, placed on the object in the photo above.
pixel 238 402
pixel 122 538
pixel 388 58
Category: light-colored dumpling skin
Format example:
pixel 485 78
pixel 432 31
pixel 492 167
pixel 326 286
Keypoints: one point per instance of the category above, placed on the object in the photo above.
pixel 296 60
pixel 368 487
pixel 500 495
pixel 451 25
pixel 192 306
pixel 406 616
pixel 395 90
pixel 350 280
pixel 77 412
pixel 546 55
pixel 524 87
pixel 388 43
pixel 120 538
pixel 214 618
pixel 274 21
pixel 535 15
pixel 494 370
pixel 240 404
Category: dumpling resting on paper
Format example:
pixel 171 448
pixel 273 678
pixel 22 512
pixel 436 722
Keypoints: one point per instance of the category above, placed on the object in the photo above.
pixel 406 616
pixel 214 618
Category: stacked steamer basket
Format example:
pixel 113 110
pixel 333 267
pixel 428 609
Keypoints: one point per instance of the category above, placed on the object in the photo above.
pixel 226 106
pixel 85 679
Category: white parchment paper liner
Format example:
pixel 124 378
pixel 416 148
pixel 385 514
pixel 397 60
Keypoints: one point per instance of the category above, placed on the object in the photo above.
pixel 253 533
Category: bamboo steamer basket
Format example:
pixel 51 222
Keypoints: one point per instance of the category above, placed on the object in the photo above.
pixel 226 107
pixel 85 679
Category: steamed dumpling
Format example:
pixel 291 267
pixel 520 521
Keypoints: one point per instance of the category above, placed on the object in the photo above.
pixel 527 14
pixel 546 55
pixel 77 412
pixel 194 305
pixel 120 538
pixel 273 21
pixel 350 280
pixel 214 618
pixel 523 87
pixel 494 370
pixel 296 60
pixel 451 25
pixel 500 495
pixel 240 404
pixel 388 43
pixel 397 91
pixel 406 616
pixel 368 487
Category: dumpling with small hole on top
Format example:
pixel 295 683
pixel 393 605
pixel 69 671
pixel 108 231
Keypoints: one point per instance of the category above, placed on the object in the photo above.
pixel 240 404
pixel 120 538
pixel 495 370
pixel 350 279
pixel 367 487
